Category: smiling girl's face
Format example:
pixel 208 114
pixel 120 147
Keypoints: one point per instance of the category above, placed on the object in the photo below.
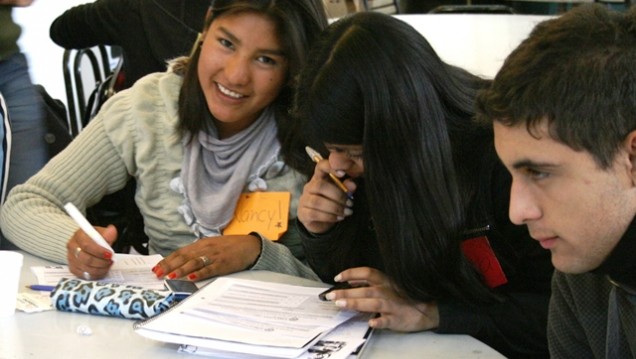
pixel 242 69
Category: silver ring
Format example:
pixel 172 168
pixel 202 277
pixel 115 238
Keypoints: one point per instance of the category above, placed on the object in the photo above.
pixel 87 276
pixel 205 260
pixel 77 252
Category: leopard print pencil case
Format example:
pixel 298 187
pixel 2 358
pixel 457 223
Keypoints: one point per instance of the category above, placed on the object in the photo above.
pixel 110 299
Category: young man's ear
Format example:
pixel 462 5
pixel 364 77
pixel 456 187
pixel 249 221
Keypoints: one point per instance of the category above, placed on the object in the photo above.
pixel 630 147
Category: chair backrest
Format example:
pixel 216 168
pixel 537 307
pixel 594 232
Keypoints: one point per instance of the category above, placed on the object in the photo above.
pixel 84 71
pixel 90 80
pixel 5 134
pixel 103 90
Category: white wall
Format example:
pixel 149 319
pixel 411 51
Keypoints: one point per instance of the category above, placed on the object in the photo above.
pixel 45 57
pixel 478 43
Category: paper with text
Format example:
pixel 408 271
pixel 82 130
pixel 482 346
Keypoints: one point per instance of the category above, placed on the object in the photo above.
pixel 248 316
pixel 344 342
pixel 130 269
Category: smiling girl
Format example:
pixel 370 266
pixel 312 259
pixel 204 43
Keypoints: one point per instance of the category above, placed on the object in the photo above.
pixel 195 138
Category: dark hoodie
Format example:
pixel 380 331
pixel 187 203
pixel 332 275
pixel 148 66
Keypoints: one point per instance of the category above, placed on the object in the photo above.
pixel 149 32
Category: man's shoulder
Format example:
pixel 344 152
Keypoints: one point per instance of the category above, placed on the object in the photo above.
pixel 586 286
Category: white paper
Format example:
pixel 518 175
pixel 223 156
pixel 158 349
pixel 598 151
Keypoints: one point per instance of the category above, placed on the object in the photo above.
pixel 130 269
pixel 34 302
pixel 340 343
pixel 246 316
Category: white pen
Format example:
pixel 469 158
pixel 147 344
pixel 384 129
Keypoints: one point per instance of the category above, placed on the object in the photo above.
pixel 86 226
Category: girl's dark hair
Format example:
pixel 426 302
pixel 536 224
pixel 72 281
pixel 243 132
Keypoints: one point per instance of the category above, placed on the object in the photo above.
pixel 298 23
pixel 374 80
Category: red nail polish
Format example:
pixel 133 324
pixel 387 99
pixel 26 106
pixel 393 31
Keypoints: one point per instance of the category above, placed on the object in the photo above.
pixel 159 273
pixel 108 255
pixel 172 275
pixel 154 268
pixel 192 276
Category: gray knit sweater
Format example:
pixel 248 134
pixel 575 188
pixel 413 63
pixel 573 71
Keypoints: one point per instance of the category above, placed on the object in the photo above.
pixel 133 135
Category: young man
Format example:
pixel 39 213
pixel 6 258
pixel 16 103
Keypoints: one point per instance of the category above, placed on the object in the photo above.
pixel 563 109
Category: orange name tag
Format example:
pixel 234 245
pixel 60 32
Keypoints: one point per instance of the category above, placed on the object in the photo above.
pixel 264 212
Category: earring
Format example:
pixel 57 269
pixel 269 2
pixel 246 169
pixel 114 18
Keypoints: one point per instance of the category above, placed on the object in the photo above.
pixel 197 44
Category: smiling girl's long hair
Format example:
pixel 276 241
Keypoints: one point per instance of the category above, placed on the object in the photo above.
pixel 374 80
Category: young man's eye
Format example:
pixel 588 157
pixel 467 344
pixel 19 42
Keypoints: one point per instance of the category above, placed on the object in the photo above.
pixel 536 174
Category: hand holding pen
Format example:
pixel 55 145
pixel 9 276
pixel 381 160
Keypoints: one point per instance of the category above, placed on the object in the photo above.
pixel 325 199
pixel 89 252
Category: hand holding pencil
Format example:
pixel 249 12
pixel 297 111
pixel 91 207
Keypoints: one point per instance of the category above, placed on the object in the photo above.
pixel 316 157
pixel 325 199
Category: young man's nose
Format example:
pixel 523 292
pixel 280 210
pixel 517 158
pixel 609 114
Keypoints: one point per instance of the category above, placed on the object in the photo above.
pixel 523 207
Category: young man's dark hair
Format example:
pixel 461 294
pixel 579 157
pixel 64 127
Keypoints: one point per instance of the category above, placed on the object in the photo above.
pixel 563 110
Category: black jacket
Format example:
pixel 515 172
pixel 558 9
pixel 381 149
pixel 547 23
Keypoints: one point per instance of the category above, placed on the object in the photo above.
pixel 516 326
pixel 149 32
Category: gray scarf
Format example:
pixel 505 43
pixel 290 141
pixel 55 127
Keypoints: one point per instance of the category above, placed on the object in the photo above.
pixel 215 172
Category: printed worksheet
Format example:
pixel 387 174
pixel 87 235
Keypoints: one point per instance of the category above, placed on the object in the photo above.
pixel 129 269
pixel 248 317
pixel 344 342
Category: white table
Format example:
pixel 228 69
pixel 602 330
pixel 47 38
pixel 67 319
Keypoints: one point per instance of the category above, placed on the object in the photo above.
pixel 54 334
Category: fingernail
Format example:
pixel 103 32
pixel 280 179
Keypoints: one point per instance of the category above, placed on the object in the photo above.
pixel 108 255
pixel 159 273
pixel 340 302
pixel 154 268
pixel 349 203
pixel 192 276
pixel 172 275
pixel 330 296
pixel 340 173
pixel 348 211
pixel 337 278
pixel 340 218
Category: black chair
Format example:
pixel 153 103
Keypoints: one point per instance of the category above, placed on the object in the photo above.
pixel 85 71
pixel 5 142
pixel 90 80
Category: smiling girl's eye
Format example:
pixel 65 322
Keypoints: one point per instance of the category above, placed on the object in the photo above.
pixel 266 60
pixel 226 43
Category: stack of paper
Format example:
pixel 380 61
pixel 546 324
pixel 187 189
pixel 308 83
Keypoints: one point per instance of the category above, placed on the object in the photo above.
pixel 347 341
pixel 248 317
